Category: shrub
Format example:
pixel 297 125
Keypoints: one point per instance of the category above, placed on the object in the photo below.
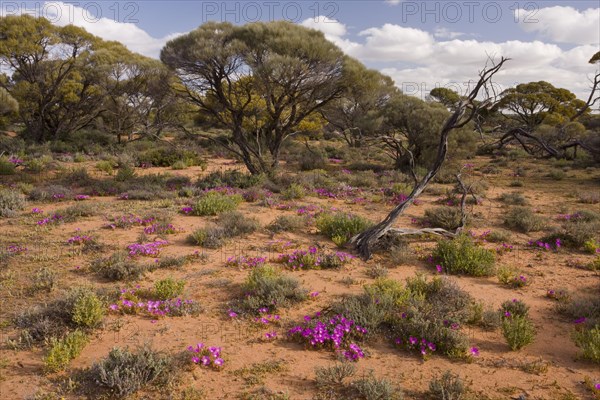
pixel 557 174
pixel 48 193
pixel 312 159
pixel 125 173
pixel 449 386
pixel 6 167
pixel 588 340
pixel 236 224
pixel 377 271
pixel 169 288
pixel 232 178
pixel 11 202
pixel 267 288
pixel 524 220
pixel 119 266
pixel 88 309
pixel 589 197
pixel 518 331
pixel 213 203
pixel 340 227
pixel 172 262
pixel 211 237
pixel 334 377
pixel 76 211
pixel 444 217
pixel 372 388
pixel 293 192
pixel 62 351
pixel 463 256
pixel 515 199
pixel 514 308
pixel 44 280
pixel 287 223
pixel 106 166
pixel 124 372
pixel 498 237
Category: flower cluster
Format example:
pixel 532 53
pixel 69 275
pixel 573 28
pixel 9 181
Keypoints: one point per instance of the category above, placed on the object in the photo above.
pixel 158 229
pixel 79 239
pixel 58 196
pixel 127 221
pixel 245 262
pixel 129 303
pixel 504 248
pixel 146 249
pixel 424 346
pixel 310 210
pixel 333 333
pixel 50 220
pixel 36 210
pixel 16 249
pixel 546 246
pixel 16 161
pixel 559 295
pixel 354 352
pixel 266 319
pixel 206 356
pixel 519 281
pixel 80 197
pixel 187 210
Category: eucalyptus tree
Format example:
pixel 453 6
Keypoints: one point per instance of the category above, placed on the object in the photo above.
pixel 258 82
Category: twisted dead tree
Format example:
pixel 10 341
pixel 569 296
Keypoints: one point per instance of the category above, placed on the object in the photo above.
pixel 465 111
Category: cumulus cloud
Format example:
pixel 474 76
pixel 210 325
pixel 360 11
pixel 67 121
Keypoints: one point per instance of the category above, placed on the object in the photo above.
pixel 133 37
pixel 429 61
pixel 445 33
pixel 562 24
pixel 393 2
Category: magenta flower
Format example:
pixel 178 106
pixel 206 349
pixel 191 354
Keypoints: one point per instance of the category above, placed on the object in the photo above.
pixel 438 268
pixel 580 320
pixel 114 307
pixel 474 351
pixel 232 314
pixel 218 362
pixel 205 360
pixel 314 294
pixel 195 360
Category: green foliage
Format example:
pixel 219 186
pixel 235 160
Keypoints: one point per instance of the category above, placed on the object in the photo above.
pixel 524 220
pixel 213 203
pixel 6 167
pixel 125 372
pixel 62 351
pixel 444 217
pixel 287 223
pixel 448 386
pixel 211 237
pixel 588 340
pixel 231 178
pixel 118 267
pixel 106 166
pixel 373 388
pixel 88 309
pixel 236 224
pixel 44 280
pixel 514 308
pixel 169 288
pixel 293 192
pixel 463 255
pixel 515 199
pixel 518 331
pixel 10 202
pixel 341 226
pixel 267 287
pixel 333 377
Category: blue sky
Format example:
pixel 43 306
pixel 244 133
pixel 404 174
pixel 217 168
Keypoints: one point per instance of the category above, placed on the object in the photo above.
pixel 421 44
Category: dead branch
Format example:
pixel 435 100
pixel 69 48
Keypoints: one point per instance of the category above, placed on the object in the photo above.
pixel 464 113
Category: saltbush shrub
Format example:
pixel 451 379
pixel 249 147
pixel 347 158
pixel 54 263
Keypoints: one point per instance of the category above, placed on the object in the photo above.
pixel 10 202
pixel 62 351
pixel 463 255
pixel 340 227
pixel 523 219
pixel 214 203
pixel 444 217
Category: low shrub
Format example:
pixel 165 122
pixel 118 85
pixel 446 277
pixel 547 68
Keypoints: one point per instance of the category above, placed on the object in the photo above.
pixel 293 192
pixel 524 220
pixel 235 224
pixel 118 267
pixel 10 202
pixel 514 199
pixel 463 255
pixel 266 287
pixel 169 288
pixel 231 178
pixel 444 217
pixel 448 386
pixel 62 351
pixel 44 280
pixel 287 223
pixel 214 203
pixel 211 237
pixel 7 167
pixel 514 308
pixel 340 227
pixel 518 331
pixel 588 340
pixel 87 308
pixel 125 372
pixel 372 388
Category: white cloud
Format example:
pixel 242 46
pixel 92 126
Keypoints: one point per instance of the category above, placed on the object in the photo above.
pixel 395 43
pixel 562 24
pixel 445 33
pixel 133 37
pixel 393 2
